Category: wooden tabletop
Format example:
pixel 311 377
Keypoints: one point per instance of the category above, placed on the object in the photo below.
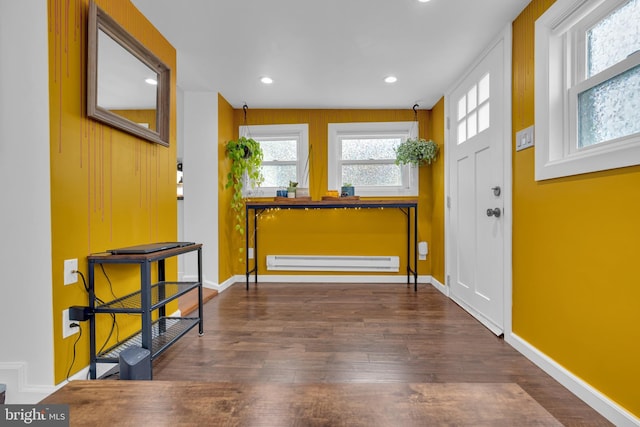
pixel 182 403
pixel 151 256
pixel 336 203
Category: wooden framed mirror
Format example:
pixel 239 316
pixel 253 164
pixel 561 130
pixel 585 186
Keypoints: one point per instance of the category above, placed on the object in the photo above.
pixel 128 87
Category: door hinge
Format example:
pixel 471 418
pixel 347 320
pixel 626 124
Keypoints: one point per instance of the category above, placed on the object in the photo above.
pixel 448 201
pixel 448 280
pixel 447 123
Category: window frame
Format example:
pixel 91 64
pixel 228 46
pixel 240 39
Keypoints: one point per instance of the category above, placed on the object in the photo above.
pixel 299 132
pixel 409 174
pixel 560 41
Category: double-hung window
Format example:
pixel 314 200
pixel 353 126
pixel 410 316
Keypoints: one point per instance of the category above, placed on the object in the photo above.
pixel 587 87
pixel 363 155
pixel 286 156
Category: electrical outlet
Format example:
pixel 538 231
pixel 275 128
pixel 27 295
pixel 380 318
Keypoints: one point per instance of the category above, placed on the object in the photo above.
pixel 250 253
pixel 70 266
pixel 423 250
pixel 67 330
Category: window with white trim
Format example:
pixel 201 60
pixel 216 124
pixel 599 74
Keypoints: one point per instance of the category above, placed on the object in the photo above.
pixel 286 156
pixel 363 154
pixel 587 74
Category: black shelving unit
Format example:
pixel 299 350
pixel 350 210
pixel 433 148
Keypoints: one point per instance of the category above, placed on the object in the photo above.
pixel 155 335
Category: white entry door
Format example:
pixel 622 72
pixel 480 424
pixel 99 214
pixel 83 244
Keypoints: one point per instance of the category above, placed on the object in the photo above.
pixel 478 111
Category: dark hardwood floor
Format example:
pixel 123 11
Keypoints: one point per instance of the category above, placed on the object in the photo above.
pixel 189 303
pixel 333 335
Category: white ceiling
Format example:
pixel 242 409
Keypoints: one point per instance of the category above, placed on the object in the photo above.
pixel 327 53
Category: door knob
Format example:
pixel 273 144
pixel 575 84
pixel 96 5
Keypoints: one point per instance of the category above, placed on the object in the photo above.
pixel 494 212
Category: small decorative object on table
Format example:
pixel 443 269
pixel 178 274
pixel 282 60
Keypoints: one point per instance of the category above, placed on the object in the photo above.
pixel 347 190
pixel 291 191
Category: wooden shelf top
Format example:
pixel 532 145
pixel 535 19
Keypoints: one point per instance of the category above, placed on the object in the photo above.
pixel 151 256
pixel 327 204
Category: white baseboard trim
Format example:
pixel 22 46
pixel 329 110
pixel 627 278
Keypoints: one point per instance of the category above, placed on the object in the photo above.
pixel 495 329
pixel 19 391
pixel 325 278
pixel 227 283
pixel 439 286
pixel 205 283
pixel 592 397
pixel 214 285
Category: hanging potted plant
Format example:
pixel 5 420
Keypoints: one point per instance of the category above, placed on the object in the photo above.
pixel 246 157
pixel 416 151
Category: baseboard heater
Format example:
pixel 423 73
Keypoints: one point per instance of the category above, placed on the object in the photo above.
pixel 333 263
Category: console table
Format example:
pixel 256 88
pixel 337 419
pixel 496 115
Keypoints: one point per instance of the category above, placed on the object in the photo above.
pixel 154 335
pixel 405 206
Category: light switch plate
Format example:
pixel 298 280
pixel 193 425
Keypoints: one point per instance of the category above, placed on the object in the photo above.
pixel 525 138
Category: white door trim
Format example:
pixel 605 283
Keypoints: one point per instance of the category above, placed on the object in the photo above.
pixel 506 37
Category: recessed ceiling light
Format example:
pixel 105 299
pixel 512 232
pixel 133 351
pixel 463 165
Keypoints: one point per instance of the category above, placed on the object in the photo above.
pixel 151 81
pixel 266 80
pixel 423 1
pixel 390 79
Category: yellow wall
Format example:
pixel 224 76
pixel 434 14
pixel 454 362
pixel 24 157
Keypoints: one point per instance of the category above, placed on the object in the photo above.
pixel 437 208
pixel 228 243
pixel 576 284
pixel 108 189
pixel 344 232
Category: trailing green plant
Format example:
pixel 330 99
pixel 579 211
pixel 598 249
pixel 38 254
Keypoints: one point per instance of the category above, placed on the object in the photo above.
pixel 246 158
pixel 416 151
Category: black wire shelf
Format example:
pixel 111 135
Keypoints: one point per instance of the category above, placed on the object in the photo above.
pixel 161 294
pixel 164 332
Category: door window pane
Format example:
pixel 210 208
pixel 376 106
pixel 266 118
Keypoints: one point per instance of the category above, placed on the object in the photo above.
pixel 462 131
pixel 473 110
pixel 462 107
pixel 472 129
pixel 483 89
pixel 484 117
pixel 472 99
